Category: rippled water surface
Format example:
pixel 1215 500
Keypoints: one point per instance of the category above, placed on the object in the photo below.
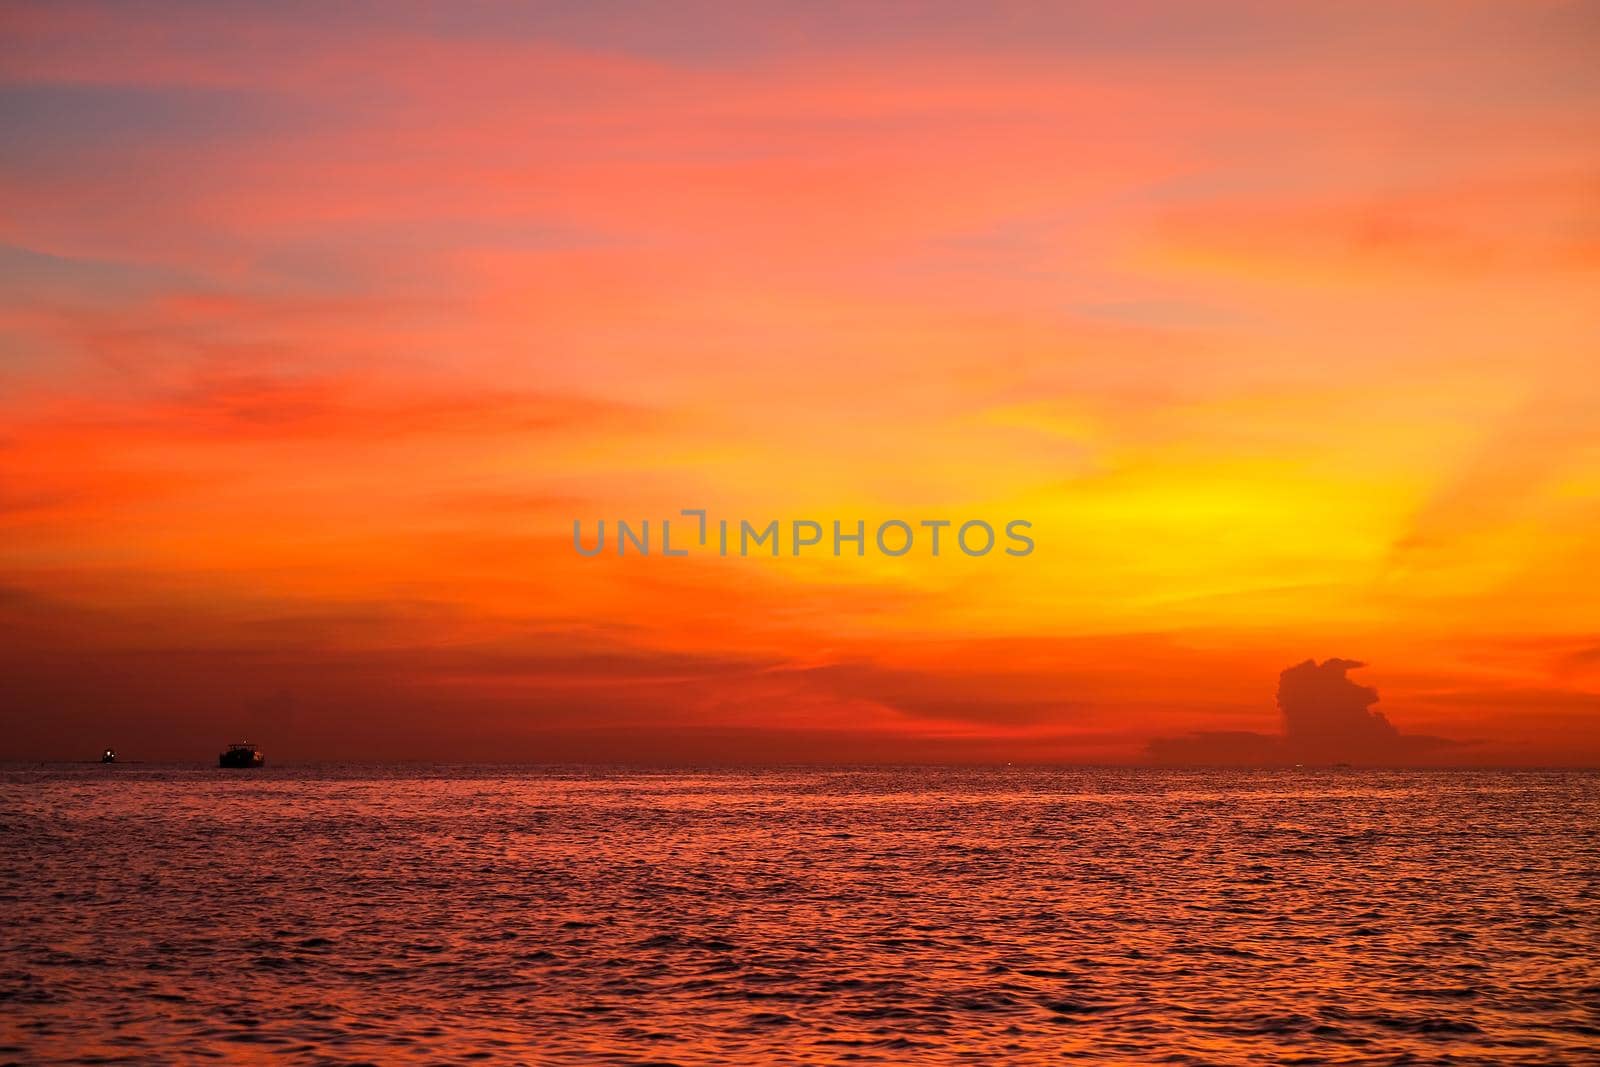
pixel 922 916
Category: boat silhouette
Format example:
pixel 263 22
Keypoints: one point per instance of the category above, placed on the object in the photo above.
pixel 242 754
pixel 109 755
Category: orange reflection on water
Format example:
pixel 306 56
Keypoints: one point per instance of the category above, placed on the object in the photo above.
pixel 818 916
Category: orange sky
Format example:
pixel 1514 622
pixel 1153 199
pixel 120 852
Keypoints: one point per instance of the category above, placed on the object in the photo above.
pixel 319 328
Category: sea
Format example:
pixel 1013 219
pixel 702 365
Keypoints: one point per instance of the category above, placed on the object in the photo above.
pixel 805 915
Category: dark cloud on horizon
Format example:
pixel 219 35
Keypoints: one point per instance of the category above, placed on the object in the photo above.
pixel 1327 718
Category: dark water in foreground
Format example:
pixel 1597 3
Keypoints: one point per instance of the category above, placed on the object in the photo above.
pixel 896 916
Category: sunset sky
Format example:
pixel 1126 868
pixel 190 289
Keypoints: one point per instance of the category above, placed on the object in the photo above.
pixel 321 324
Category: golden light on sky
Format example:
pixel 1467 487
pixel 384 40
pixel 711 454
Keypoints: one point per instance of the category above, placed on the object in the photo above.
pixel 318 330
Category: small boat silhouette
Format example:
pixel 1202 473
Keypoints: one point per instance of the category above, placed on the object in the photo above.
pixel 242 754
pixel 109 755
